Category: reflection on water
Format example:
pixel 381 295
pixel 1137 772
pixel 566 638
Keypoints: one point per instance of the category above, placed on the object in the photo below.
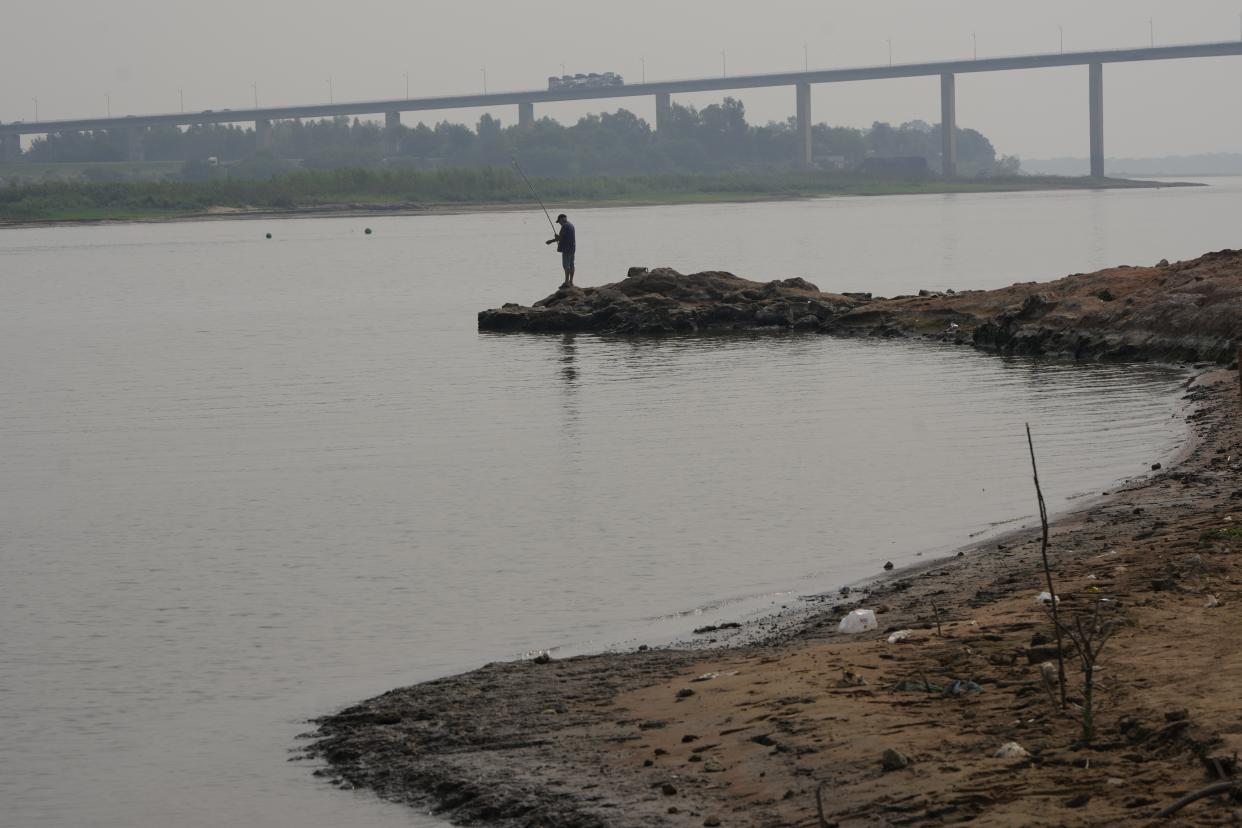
pixel 246 482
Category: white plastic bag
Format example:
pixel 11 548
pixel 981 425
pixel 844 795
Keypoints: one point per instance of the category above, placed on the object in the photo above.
pixel 857 621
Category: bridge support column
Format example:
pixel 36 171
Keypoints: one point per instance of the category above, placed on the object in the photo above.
pixel 526 114
pixel 134 150
pixel 804 124
pixel 948 125
pixel 664 111
pixel 10 148
pixel 262 135
pixel 392 133
pixel 1095 85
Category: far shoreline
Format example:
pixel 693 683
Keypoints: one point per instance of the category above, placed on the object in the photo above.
pixel 410 209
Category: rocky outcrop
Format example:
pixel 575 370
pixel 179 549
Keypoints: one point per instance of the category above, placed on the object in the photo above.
pixel 1187 311
pixel 664 301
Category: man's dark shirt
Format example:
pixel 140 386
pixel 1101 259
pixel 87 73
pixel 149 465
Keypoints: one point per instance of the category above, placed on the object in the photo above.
pixel 568 239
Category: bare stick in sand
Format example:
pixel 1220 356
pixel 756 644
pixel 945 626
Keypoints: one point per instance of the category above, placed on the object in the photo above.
pixel 1043 551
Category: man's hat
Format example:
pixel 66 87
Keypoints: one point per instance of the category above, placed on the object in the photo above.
pixel 562 218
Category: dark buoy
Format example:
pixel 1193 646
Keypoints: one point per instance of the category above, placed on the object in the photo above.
pixel 367 231
pixel 269 235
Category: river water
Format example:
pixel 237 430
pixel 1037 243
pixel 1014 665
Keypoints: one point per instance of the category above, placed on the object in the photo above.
pixel 250 481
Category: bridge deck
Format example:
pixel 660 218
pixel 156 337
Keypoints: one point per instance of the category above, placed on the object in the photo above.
pixel 909 70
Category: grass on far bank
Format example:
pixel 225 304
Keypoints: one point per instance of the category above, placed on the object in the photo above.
pixel 354 188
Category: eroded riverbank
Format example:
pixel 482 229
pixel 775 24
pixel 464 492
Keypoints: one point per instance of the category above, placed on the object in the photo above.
pixel 1181 311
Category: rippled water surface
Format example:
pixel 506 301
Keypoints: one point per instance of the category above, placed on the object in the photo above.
pixel 246 482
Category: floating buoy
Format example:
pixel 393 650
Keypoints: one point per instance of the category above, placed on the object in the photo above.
pixel 269 235
pixel 367 231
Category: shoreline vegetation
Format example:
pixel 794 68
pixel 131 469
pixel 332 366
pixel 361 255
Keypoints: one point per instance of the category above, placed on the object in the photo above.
pixel 948 710
pixel 364 192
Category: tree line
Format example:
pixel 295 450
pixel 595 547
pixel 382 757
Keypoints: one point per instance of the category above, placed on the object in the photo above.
pixel 714 139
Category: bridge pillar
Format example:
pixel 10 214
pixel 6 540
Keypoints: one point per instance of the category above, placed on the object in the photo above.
pixel 804 124
pixel 1095 85
pixel 664 110
pixel 10 148
pixel 392 133
pixel 948 125
pixel 134 150
pixel 262 135
pixel 526 114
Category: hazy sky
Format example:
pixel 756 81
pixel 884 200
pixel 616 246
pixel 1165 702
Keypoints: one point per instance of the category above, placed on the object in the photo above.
pixel 73 54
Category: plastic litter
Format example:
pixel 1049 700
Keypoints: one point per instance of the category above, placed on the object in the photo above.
pixel 858 621
pixel 1045 598
pixel 1011 750
pixel 959 687
pixel 900 635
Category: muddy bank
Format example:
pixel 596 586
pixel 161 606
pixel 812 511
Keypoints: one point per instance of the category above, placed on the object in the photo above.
pixel 745 736
pixel 1184 311
pixel 900 733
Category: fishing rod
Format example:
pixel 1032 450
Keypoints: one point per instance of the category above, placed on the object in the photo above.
pixel 546 214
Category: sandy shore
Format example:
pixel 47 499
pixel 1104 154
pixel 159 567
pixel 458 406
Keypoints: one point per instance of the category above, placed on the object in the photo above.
pixel 747 735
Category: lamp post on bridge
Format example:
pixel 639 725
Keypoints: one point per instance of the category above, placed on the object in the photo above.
pixel 254 85
pixel 1061 32
pixel 181 98
pixel 331 97
pixel 108 104
pixel 407 86
pixel 890 51
pixel 36 104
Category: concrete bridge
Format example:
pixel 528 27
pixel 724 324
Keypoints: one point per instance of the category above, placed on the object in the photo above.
pixel 134 126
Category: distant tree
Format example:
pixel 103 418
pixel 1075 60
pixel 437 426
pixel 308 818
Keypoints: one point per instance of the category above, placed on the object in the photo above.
pixel 714 139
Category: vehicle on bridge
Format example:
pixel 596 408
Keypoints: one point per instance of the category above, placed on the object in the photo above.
pixel 580 81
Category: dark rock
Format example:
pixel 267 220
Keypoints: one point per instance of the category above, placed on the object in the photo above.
pixel 685 693
pixel 1155 467
pixel 688 738
pixel 1078 801
pixel 894 760
pixel 888 566
pixel 1038 655
pixel 668 790
pixel 711 821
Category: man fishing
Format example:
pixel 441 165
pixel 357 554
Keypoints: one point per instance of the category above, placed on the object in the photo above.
pixel 566 244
